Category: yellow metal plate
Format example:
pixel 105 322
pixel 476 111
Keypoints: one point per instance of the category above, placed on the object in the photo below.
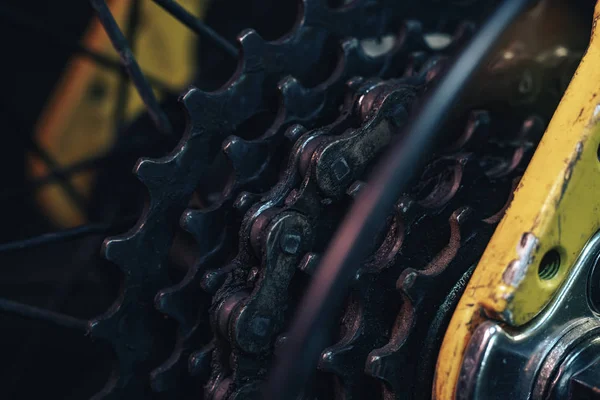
pixel 78 122
pixel 556 207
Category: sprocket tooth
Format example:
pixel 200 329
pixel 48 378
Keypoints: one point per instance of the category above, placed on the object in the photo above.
pixel 310 106
pixel 199 361
pixel 461 36
pixel 173 375
pixel 290 88
pixel 180 302
pixel 141 254
pixel 248 158
pixel 167 376
pixel 189 101
pixel 115 249
pixel 413 36
pixel 350 20
pixel 110 391
pixel 183 301
pixel 203 108
pixel 381 365
pixel 414 283
pixel 168 303
pixel 202 224
pixel 365 317
pixel 253 50
pixel 475 134
pixel 517 151
pixel 533 129
pixel 212 280
pixel 389 363
pixel 102 326
pixel 298 104
pixel 159 175
pixel 125 381
pixel 414 63
pixel 331 359
pixel 356 62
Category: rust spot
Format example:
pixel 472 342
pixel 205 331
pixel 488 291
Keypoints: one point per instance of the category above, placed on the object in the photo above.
pixel 580 114
pixel 519 186
pixel 569 171
pixel 498 216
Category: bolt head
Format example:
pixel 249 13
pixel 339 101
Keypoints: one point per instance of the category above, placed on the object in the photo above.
pixel 260 326
pixel 340 168
pixel 290 243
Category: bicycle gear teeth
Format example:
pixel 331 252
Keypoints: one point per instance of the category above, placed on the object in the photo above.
pixel 274 226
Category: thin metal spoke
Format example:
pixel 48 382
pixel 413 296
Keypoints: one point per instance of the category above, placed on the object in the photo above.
pixel 33 340
pixel 65 235
pixel 87 164
pixel 64 181
pixel 133 69
pixel 183 16
pixel 123 91
pixel 52 177
pixel 75 168
pixel 27 21
pixel 40 314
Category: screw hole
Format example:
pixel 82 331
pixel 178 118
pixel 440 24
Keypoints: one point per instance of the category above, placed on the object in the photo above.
pixel 550 265
pixel 598 152
pixel 97 91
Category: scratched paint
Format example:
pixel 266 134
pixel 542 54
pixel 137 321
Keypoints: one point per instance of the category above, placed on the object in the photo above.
pixel 557 202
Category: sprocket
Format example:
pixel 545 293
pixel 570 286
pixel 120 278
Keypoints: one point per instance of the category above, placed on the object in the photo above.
pixel 233 305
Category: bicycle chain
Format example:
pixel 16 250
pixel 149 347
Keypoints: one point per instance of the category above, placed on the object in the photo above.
pixel 297 105
pixel 248 309
pixel 132 325
pixel 278 235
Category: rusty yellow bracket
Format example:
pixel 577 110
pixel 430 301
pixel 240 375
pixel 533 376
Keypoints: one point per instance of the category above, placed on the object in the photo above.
pixel 78 121
pixel 556 209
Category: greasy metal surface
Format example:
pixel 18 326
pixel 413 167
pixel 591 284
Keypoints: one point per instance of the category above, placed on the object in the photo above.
pixel 252 229
pixel 436 232
pixel 286 69
pixel 533 361
pixel 555 207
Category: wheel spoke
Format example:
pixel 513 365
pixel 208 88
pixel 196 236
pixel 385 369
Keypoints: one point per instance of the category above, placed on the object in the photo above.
pixel 196 25
pixel 40 314
pixel 64 181
pixel 65 235
pixel 123 91
pixel 66 172
pixel 133 69
pixel 27 21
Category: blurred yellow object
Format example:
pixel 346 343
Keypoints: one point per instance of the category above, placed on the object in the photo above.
pixel 78 121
